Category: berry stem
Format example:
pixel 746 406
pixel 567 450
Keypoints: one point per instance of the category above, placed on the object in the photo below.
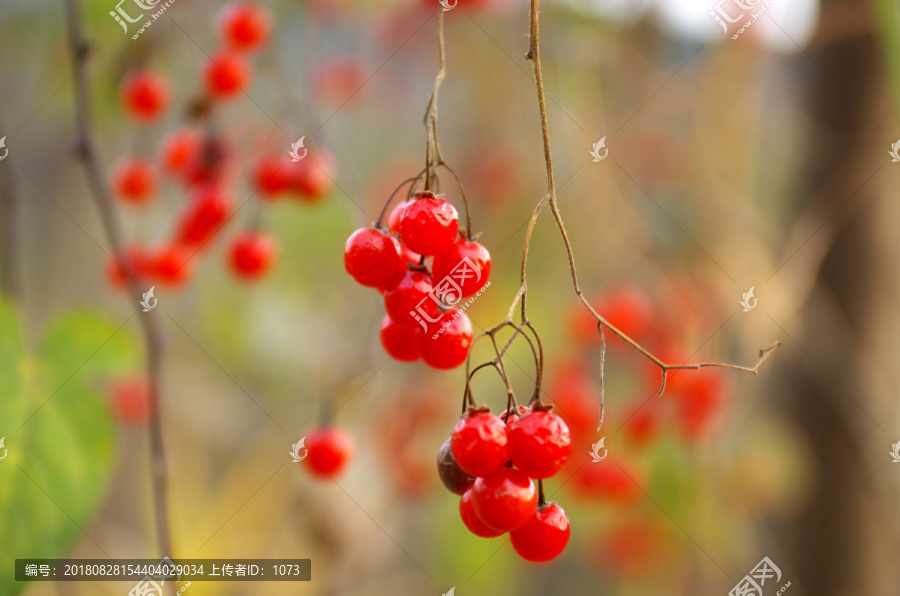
pixel 541 500
pixel 432 145
pixel 393 194
pixel 152 330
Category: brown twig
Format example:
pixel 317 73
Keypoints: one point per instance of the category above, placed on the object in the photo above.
pixel 152 331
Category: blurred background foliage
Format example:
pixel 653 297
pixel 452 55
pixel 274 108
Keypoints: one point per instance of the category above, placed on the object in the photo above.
pixel 732 164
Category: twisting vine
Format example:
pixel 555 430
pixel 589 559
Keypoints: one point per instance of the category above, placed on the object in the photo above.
pixel 550 200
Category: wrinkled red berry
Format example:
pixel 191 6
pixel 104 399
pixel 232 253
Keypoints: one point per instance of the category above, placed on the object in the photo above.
pixel 539 443
pixel 429 224
pixel 544 536
pixel 468 264
pixel 506 500
pixel 373 258
pixel 401 343
pixel 446 343
pixel 472 521
pixel 396 215
pixel 410 293
pixel 480 444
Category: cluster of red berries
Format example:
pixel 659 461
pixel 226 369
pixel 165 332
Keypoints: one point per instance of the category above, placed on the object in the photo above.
pixel 201 162
pixel 490 462
pixel 329 450
pixel 420 321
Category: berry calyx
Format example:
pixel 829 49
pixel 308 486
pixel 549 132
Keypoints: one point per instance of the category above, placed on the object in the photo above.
pixel 134 180
pixel 226 74
pixel 453 477
pixel 401 343
pixel 539 443
pixel 429 224
pixel 480 444
pixel 446 344
pixel 472 521
pixel 544 536
pixel 410 293
pixel 469 264
pixel 252 255
pixel 373 258
pixel 145 95
pixel 506 500
pixel 329 451
pixel 245 26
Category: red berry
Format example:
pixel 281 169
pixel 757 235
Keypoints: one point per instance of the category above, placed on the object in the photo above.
pixel 226 74
pixel 469 275
pixel 134 180
pixel 170 264
pixel 252 255
pixel 208 167
pixel 373 258
pixel 270 177
pixel 178 150
pixel 539 443
pixel 329 451
pixel 401 343
pixel 429 224
pixel 456 481
pixel 410 293
pixel 480 444
pixel 206 212
pixel 506 500
pixel 471 519
pixel 446 344
pixel 145 95
pixel 544 536
pixel 606 480
pixel 133 263
pixel 245 26
pixel 510 416
pixel 131 400
pixel 396 215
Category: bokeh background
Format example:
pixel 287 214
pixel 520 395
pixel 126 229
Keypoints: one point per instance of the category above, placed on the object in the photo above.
pixel 758 162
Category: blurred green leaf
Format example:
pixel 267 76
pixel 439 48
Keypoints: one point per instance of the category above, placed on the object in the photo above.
pixel 59 462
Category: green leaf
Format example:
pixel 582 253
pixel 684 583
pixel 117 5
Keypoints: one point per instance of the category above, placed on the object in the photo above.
pixel 59 461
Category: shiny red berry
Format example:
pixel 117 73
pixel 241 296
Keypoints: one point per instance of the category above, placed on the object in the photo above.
pixel 539 443
pixel 472 521
pixel 145 95
pixel 480 444
pixel 544 536
pixel 453 477
pixel 208 209
pixel 134 180
pixel 252 255
pixel 510 416
pixel 170 265
pixel 226 74
pixel 446 343
pixel 396 215
pixel 329 450
pixel 401 343
pixel 466 263
pixel 506 500
pixel 410 293
pixel 429 224
pixel 373 258
pixel 245 26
